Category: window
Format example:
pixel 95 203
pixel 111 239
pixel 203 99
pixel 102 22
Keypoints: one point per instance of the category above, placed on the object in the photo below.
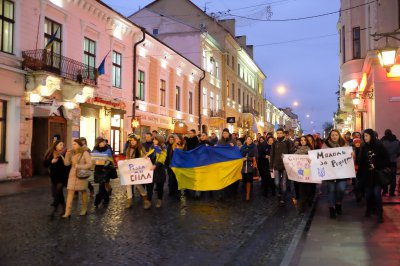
pixel 227 88
pixel 90 56
pixel 162 92
pixel 212 101
pixel 3 116
pixel 204 98
pixel 155 31
pixel 204 60
pixel 238 70
pixel 356 43
pixel 6 26
pixel 343 45
pixel 216 70
pixel 178 98
pixel 116 70
pixel 227 59
pixel 233 62
pixel 50 28
pixel 190 102
pixel 217 102
pixel 233 91
pixel 140 90
pixel 239 95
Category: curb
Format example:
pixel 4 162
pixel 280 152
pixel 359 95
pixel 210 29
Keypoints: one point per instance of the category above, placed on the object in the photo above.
pixel 303 227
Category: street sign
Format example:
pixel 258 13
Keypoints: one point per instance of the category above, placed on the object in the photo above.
pixel 230 120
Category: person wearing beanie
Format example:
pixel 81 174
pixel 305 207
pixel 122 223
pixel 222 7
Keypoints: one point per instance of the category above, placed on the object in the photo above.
pixel 392 145
pixel 372 158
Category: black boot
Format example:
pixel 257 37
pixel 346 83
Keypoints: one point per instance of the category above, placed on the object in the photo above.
pixel 338 208
pixel 332 212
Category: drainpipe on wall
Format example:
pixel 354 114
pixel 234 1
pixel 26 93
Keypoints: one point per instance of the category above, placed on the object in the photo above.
pixel 200 96
pixel 134 72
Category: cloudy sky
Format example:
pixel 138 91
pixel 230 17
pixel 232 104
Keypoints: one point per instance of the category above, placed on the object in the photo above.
pixel 301 55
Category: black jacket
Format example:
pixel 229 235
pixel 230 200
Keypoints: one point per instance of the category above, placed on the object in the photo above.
pixel 372 157
pixel 58 171
pixel 192 143
pixel 278 149
pixel 148 145
pixel 251 153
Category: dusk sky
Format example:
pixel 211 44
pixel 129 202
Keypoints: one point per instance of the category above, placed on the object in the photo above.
pixel 300 55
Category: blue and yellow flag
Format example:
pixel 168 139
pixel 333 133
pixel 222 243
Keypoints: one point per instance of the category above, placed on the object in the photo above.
pixel 207 168
pixel 51 40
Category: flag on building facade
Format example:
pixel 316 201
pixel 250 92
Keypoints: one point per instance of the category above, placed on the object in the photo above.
pixel 51 40
pixel 101 70
pixel 207 168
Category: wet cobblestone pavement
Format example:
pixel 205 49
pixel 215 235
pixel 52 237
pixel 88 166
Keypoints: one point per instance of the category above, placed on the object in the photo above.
pixel 204 232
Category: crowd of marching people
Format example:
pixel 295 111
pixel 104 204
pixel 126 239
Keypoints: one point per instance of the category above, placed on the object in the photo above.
pixel 374 159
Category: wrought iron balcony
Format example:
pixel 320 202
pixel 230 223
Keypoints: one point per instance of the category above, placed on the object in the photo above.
pixel 44 60
pixel 217 113
pixel 249 109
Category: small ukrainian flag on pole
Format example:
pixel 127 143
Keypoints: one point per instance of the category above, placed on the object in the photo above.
pixel 101 70
pixel 51 40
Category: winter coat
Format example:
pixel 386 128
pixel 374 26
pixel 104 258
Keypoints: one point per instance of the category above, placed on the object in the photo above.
pixel 58 171
pixel 372 157
pixel 213 142
pixel 158 158
pixel 279 147
pixel 251 153
pixel 392 145
pixel 262 162
pixel 170 152
pixel 103 172
pixel 85 162
pixel 192 143
pixel 204 142
pixel 302 150
pixel 225 142
pixel 148 145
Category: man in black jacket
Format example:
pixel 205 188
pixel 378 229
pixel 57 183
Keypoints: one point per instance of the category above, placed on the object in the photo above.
pixel 192 142
pixel 279 147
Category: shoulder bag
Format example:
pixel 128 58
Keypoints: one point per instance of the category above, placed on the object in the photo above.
pixel 82 173
pixel 384 176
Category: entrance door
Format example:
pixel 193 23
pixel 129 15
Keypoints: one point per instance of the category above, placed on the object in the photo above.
pixel 115 139
pixel 43 131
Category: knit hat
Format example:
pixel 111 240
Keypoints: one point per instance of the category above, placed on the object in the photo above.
pixel 226 130
pixel 356 140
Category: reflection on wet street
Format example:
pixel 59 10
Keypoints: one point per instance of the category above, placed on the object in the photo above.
pixel 207 231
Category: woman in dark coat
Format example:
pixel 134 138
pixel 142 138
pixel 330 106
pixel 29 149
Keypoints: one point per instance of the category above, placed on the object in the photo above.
pixel 263 164
pixel 250 154
pixel 372 158
pixel 54 160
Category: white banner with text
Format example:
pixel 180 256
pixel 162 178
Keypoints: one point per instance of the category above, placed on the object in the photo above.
pixel 135 171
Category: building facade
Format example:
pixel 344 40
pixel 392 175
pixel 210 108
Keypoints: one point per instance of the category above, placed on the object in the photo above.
pixel 233 85
pixel 68 69
pixel 368 93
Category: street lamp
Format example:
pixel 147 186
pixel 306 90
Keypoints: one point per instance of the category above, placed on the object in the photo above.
pixel 356 100
pixel 281 90
pixel 387 57
pixel 295 103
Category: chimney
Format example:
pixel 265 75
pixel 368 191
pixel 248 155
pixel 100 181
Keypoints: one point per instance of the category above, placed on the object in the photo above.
pixel 229 25
pixel 249 49
pixel 241 40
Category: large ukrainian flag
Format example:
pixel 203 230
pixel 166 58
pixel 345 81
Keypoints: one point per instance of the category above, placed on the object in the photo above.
pixel 207 168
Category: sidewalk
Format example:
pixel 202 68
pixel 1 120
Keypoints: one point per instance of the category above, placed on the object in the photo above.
pixel 8 188
pixel 351 239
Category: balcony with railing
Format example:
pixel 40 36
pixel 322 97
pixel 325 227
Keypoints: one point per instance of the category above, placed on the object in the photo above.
pixel 217 113
pixel 44 60
pixel 250 110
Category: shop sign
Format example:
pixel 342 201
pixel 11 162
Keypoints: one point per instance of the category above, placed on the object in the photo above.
pixel 114 104
pixel 230 120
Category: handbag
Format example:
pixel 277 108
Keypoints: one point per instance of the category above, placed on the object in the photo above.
pixel 384 176
pixel 82 173
pixel 256 173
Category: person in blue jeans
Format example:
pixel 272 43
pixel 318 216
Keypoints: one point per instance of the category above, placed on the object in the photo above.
pixel 279 147
pixel 336 187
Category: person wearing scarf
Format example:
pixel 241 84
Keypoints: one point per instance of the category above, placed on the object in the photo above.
pixel 249 152
pixel 336 187
pixel 158 156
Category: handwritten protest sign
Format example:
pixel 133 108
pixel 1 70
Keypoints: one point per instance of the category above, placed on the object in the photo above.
pixel 298 168
pixel 135 171
pixel 335 163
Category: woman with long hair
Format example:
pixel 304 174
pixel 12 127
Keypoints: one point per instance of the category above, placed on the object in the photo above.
pixel 336 187
pixel 373 157
pixel 54 161
pixel 90 186
pixel 79 158
pixel 158 157
pixel 104 167
pixel 305 190
pixel 135 150
pixel 250 154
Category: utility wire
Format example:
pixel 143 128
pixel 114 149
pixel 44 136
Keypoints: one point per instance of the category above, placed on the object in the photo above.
pixel 301 18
